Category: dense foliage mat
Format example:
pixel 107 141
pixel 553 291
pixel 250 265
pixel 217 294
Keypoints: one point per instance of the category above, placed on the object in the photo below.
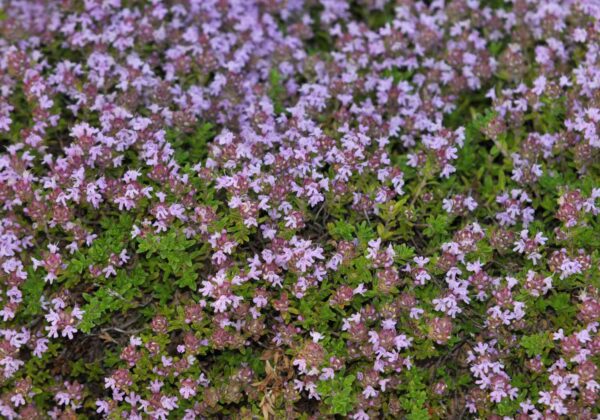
pixel 299 209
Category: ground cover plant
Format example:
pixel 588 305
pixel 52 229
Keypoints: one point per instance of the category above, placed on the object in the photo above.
pixel 299 209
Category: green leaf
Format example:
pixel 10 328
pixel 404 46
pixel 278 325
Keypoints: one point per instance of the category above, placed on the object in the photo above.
pixel 341 229
pixel 338 393
pixel 188 280
pixel 437 225
pixel 403 252
pixel 537 344
pixel 277 90
pixel 414 400
pixel 99 303
pixel 561 303
pixel 32 290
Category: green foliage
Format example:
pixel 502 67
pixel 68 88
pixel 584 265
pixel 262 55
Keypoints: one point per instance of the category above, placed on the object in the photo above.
pixel 32 290
pixel 175 257
pixel 413 402
pixel 192 147
pixel 436 226
pixel 341 229
pixel 276 91
pixel 338 393
pixel 537 344
pixel 116 296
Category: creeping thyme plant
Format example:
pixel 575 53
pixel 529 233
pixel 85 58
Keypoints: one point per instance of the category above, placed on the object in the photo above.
pixel 299 209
